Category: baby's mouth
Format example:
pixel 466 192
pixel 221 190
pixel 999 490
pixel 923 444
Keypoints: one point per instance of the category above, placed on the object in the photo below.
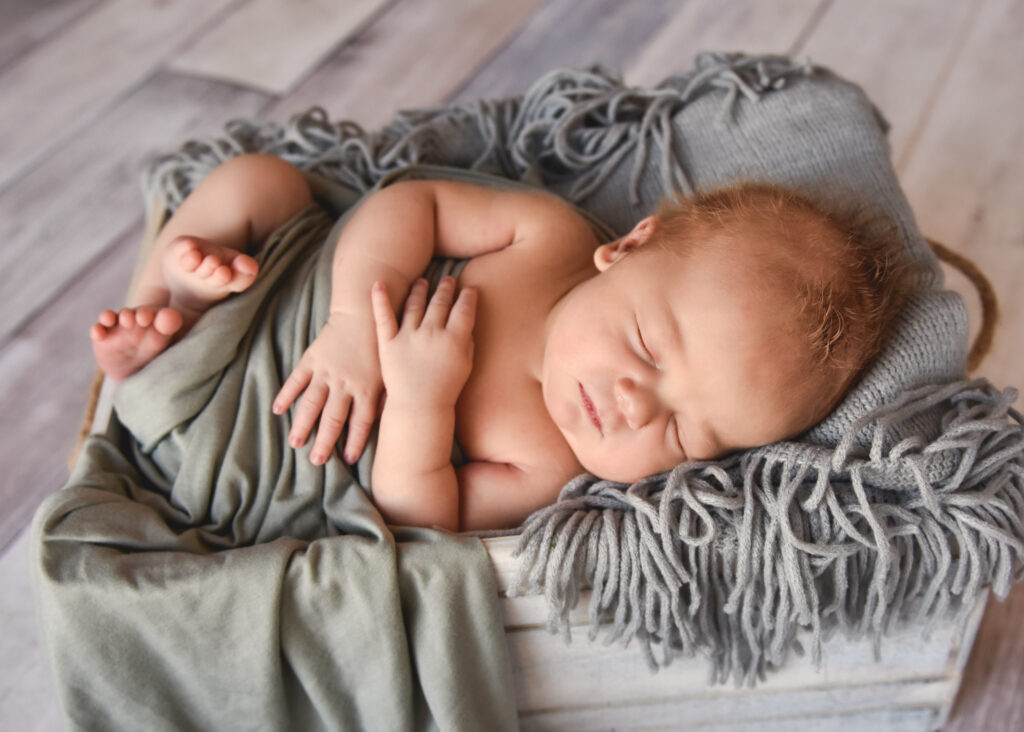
pixel 591 411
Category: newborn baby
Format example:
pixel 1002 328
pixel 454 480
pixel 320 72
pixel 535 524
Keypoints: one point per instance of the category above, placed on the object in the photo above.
pixel 732 319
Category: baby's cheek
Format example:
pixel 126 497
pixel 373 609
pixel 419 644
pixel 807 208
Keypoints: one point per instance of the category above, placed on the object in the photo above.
pixel 562 413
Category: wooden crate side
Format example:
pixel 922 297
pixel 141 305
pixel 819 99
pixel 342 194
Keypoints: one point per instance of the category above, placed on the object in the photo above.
pixel 844 707
pixel 649 718
pixel 553 675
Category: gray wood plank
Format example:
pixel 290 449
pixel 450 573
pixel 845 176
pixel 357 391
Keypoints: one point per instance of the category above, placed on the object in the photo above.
pixel 417 53
pixel 77 203
pixel 965 175
pixel 55 90
pixel 47 371
pixel 247 48
pixel 24 23
pixel 708 25
pixel 899 51
pixel 606 32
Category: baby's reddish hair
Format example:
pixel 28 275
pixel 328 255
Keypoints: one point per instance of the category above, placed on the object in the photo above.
pixel 844 269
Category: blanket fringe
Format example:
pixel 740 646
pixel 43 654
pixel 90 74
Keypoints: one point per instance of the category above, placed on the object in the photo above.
pixel 732 559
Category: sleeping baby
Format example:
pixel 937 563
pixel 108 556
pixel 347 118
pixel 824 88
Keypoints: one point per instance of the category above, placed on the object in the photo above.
pixel 731 319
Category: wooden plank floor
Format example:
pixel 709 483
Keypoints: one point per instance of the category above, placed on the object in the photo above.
pixel 90 89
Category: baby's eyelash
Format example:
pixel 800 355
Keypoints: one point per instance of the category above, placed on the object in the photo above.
pixel 643 346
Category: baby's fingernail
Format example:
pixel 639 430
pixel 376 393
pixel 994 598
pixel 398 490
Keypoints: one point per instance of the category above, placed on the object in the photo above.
pixel 316 458
pixel 350 458
pixel 294 441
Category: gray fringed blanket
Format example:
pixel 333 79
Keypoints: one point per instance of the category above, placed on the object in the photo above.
pixel 899 507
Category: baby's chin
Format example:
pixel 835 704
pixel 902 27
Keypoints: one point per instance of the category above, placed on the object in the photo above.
pixel 622 473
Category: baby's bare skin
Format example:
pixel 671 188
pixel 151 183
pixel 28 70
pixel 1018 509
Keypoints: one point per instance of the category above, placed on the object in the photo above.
pixel 585 356
pixel 197 275
pixel 197 260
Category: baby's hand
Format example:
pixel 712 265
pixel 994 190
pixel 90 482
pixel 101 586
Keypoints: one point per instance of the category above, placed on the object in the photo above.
pixel 425 362
pixel 339 379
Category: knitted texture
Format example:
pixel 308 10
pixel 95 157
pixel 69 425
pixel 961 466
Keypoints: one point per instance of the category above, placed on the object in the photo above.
pixel 898 507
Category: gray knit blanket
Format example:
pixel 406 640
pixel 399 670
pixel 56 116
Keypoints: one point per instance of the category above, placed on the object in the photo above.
pixel 900 507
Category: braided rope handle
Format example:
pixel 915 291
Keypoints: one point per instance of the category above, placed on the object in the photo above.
pixel 989 303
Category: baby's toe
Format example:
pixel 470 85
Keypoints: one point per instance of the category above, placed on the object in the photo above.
pixel 167 321
pixel 144 316
pixel 221 276
pixel 126 318
pixel 245 265
pixel 211 263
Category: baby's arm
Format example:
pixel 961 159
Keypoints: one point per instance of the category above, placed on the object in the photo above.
pixel 390 239
pixel 425 364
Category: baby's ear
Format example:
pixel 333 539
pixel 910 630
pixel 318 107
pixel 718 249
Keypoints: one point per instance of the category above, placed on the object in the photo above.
pixel 608 254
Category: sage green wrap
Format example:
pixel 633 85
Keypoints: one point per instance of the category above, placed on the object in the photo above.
pixel 199 573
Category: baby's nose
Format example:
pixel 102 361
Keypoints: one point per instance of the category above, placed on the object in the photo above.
pixel 636 402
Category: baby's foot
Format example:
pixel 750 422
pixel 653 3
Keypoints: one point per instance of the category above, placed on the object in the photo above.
pixel 200 273
pixel 124 342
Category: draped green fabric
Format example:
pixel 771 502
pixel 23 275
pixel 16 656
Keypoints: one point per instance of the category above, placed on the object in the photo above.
pixel 199 573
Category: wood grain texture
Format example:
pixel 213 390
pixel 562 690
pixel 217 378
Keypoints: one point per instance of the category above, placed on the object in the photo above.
pixel 53 92
pixel 24 23
pixel 254 46
pixel 965 177
pixel 47 369
pixel 606 32
pixel 589 676
pixel 709 25
pixel 416 54
pixel 890 47
pixel 84 198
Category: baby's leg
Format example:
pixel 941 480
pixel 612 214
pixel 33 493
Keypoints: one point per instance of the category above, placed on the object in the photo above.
pixel 199 273
pixel 197 259
pixel 124 342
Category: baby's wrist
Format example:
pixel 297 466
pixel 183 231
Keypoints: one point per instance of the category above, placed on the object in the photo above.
pixel 418 406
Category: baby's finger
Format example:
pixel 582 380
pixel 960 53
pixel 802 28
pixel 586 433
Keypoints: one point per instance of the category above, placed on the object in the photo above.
pixel 440 303
pixel 293 386
pixel 463 314
pixel 306 415
pixel 332 421
pixel 383 315
pixel 415 304
pixel 360 422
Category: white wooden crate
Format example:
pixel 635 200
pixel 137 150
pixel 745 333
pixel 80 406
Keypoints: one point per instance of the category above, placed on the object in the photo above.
pixel 588 686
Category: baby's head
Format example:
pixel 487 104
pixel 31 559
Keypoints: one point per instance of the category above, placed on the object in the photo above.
pixel 736 318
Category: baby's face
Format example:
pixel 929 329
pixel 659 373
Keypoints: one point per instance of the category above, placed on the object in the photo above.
pixel 661 359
